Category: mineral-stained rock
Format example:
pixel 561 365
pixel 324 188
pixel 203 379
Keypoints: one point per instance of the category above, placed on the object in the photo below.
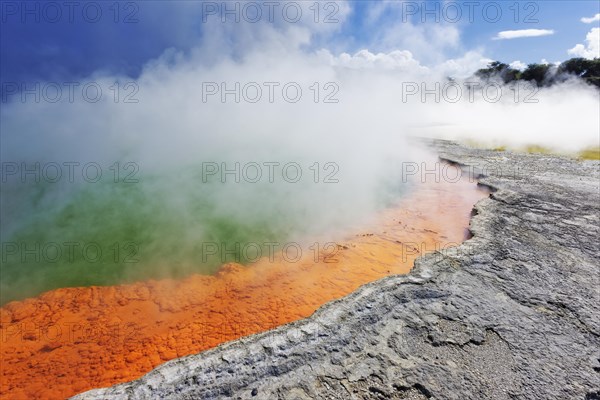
pixel 511 313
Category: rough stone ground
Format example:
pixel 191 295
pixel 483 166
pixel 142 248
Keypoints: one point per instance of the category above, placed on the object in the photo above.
pixel 512 313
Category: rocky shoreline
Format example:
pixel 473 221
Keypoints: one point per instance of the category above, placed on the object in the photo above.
pixel 513 312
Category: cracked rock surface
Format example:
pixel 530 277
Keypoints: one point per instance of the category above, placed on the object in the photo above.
pixel 513 312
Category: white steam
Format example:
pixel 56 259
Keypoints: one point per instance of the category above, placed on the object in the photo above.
pixel 355 111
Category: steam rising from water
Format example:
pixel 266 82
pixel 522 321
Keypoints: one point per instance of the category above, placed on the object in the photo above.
pixel 175 129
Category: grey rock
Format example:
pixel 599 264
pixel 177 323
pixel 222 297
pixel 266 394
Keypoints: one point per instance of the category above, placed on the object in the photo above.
pixel 511 313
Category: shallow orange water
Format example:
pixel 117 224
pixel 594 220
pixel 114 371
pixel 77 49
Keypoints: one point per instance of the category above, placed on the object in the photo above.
pixel 70 340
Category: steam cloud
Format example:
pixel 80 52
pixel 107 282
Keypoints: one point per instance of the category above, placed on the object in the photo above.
pixel 180 126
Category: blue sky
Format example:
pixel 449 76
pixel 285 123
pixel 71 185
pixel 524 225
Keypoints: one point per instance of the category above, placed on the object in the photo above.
pixel 63 49
pixel 561 16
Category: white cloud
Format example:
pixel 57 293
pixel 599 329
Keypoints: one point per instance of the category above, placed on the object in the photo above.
pixel 523 33
pixel 404 61
pixel 546 62
pixel 464 66
pixel 590 20
pixel 364 59
pixel 390 29
pixel 518 65
pixel 591 49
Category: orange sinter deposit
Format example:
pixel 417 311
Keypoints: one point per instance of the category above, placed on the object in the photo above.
pixel 70 340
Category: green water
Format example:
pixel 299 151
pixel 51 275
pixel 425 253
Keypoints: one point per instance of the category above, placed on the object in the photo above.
pixel 167 224
pixel 107 233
